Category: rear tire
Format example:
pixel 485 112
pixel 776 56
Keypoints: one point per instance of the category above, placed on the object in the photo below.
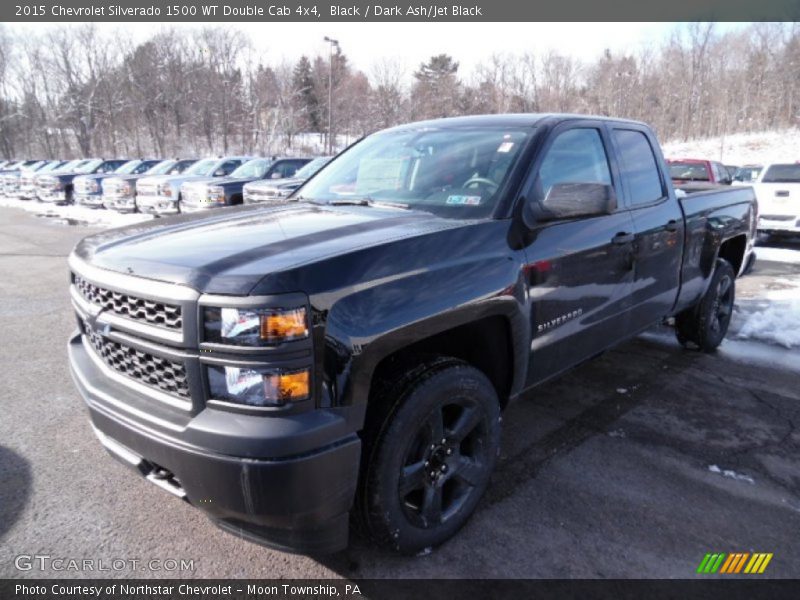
pixel 430 462
pixel 704 326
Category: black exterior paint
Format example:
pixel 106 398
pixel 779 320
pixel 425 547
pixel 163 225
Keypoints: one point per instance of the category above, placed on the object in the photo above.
pixel 549 295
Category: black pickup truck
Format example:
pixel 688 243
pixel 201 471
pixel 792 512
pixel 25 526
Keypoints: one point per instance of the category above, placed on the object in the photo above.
pixel 349 353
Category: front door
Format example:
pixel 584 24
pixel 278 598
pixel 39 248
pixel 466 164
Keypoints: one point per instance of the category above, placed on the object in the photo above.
pixel 579 271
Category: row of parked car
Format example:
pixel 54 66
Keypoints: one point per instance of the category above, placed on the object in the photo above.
pixel 157 186
pixel 700 170
pixel 776 186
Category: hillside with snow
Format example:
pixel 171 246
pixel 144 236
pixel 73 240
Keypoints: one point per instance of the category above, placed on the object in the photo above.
pixel 741 148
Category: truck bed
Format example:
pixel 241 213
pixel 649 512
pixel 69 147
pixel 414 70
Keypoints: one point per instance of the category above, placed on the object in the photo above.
pixel 719 212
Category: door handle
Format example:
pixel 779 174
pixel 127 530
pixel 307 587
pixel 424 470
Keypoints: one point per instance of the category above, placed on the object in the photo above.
pixel 672 225
pixel 623 238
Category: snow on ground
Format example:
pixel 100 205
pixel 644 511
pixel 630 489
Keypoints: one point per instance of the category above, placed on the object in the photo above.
pixel 741 148
pixel 785 255
pixel 78 215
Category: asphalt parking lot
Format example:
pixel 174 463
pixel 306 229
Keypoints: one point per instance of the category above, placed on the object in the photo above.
pixel 633 465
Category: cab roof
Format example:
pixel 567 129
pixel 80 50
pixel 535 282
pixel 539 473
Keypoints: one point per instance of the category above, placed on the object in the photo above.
pixel 505 120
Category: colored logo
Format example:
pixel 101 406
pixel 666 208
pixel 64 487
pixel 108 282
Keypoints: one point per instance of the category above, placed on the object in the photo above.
pixel 738 562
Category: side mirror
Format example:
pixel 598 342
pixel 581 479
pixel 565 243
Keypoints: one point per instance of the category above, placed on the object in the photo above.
pixel 220 172
pixel 275 175
pixel 572 200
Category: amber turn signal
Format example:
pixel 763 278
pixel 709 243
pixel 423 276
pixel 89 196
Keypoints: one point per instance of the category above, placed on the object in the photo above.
pixel 287 387
pixel 284 325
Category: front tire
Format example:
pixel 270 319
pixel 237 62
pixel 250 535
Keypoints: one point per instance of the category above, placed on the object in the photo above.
pixel 705 325
pixel 431 462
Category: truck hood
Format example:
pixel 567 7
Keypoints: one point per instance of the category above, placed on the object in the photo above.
pixel 92 177
pixel 64 175
pixel 128 178
pixel 228 251
pixel 174 180
pixel 269 184
pixel 222 181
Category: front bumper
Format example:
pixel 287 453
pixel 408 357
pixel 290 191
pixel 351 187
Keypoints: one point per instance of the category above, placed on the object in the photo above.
pixel 89 200
pixel 283 481
pixel 788 224
pixel 157 205
pixel 199 207
pixel 55 196
pixel 120 203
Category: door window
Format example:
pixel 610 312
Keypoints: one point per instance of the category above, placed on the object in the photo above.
pixel 638 166
pixel 576 156
pixel 229 166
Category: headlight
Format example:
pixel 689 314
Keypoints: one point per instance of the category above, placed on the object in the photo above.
pixel 255 327
pixel 215 193
pixel 258 388
pixel 125 189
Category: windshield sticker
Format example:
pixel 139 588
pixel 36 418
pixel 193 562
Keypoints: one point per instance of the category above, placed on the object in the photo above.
pixel 505 147
pixel 464 200
pixel 379 174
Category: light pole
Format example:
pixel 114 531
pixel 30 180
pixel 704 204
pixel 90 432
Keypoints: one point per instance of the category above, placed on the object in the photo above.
pixel 332 43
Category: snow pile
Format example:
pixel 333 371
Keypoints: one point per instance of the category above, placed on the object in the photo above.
pixel 778 321
pixel 79 215
pixel 741 148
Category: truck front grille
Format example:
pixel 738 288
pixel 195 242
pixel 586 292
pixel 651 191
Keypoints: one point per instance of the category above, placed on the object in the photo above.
pixel 85 187
pixel 160 373
pixel 146 189
pixel 137 309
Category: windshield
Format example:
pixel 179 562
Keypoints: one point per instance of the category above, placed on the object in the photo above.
pixel 89 166
pixel 782 174
pixel 747 173
pixel 253 169
pixel 312 167
pixel 161 168
pixel 70 165
pixel 454 173
pixel 690 171
pixel 202 167
pixel 50 167
pixel 129 167
pixel 180 166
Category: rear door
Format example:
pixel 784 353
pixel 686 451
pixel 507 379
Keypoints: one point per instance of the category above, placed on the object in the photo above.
pixel 658 223
pixel 579 271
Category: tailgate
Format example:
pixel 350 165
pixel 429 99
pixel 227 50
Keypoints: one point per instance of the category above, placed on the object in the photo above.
pixel 778 199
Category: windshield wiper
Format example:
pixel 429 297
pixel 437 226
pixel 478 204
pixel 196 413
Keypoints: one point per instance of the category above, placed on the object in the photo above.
pixel 367 201
pixel 364 201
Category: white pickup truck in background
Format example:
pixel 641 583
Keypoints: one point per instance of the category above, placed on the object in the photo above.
pixel 777 190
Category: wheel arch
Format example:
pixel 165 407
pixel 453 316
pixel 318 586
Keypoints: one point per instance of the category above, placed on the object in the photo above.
pixel 493 355
pixel 733 250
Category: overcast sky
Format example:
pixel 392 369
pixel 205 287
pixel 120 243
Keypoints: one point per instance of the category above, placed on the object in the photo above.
pixel 413 43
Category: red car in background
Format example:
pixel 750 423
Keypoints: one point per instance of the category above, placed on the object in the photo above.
pixel 691 170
